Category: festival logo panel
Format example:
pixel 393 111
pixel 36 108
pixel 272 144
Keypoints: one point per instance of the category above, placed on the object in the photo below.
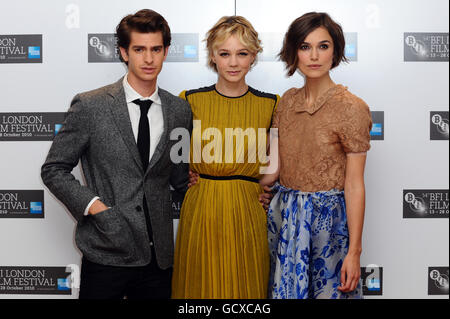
pixel 426 47
pixel 439 129
pixel 372 280
pixel 177 201
pixel 432 203
pixel 438 281
pixel 377 132
pixel 184 48
pixel 22 204
pixel 102 48
pixel 30 126
pixel 35 281
pixel 21 48
pixel 351 46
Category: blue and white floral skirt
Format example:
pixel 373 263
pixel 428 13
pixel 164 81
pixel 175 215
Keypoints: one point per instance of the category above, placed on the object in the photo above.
pixel 308 241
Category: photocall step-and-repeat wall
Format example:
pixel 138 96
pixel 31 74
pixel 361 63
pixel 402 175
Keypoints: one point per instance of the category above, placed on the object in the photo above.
pixel 398 51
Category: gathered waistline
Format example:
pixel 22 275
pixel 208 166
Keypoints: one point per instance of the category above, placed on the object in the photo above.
pixel 278 187
pixel 231 177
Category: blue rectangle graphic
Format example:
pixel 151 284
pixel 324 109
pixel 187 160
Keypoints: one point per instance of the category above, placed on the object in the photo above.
pixel 35 207
pixel 34 52
pixel 377 129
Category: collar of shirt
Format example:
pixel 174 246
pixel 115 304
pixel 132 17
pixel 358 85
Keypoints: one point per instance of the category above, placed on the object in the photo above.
pixel 131 94
pixel 300 104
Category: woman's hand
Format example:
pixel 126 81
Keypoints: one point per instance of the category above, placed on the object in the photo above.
pixel 193 179
pixel 355 205
pixel 350 273
pixel 266 197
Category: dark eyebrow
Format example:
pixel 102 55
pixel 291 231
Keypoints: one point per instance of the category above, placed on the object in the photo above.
pixel 324 41
pixel 143 47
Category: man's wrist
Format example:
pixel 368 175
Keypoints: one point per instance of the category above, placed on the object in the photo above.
pixel 97 207
pixel 88 207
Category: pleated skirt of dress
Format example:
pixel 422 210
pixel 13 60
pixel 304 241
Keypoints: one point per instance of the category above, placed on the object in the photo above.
pixel 221 249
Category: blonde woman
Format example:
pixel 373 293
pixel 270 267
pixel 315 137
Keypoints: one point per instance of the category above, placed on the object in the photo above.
pixel 222 248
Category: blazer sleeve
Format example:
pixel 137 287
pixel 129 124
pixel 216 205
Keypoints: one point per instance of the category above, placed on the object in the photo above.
pixel 179 178
pixel 68 147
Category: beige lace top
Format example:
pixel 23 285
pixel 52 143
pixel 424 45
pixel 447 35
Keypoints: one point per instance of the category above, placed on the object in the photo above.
pixel 313 141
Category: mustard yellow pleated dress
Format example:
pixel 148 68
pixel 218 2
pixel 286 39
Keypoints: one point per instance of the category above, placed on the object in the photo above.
pixel 221 248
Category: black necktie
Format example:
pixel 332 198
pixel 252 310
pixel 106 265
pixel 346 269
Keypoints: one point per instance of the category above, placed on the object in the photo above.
pixel 143 140
pixel 143 143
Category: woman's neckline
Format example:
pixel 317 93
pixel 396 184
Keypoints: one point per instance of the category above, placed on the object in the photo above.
pixel 232 97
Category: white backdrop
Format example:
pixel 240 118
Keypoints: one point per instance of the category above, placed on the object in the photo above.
pixel 405 91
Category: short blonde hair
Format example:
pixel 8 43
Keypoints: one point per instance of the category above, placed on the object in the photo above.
pixel 228 26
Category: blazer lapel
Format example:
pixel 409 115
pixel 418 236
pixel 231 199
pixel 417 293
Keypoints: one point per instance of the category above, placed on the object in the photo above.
pixel 163 95
pixel 121 116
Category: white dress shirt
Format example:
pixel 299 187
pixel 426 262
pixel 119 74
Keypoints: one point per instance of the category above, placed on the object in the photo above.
pixel 155 118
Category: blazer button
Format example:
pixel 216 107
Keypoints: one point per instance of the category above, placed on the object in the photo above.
pixel 139 208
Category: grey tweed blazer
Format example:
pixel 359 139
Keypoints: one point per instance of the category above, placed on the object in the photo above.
pixel 98 132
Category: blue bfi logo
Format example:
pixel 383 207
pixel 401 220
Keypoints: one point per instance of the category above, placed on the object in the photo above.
pixel 63 284
pixel 373 284
pixel 57 128
pixel 190 51
pixel 350 50
pixel 372 280
pixel 377 129
pixel 36 207
pixel 34 52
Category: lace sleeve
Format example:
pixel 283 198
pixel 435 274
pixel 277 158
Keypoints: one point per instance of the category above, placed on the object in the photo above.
pixel 355 126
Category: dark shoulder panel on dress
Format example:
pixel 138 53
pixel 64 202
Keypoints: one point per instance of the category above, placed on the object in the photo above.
pixel 263 94
pixel 203 89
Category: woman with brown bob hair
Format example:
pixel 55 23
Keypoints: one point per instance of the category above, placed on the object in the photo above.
pixel 315 228
pixel 222 249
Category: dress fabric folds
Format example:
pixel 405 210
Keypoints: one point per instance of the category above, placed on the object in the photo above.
pixel 308 239
pixel 221 247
